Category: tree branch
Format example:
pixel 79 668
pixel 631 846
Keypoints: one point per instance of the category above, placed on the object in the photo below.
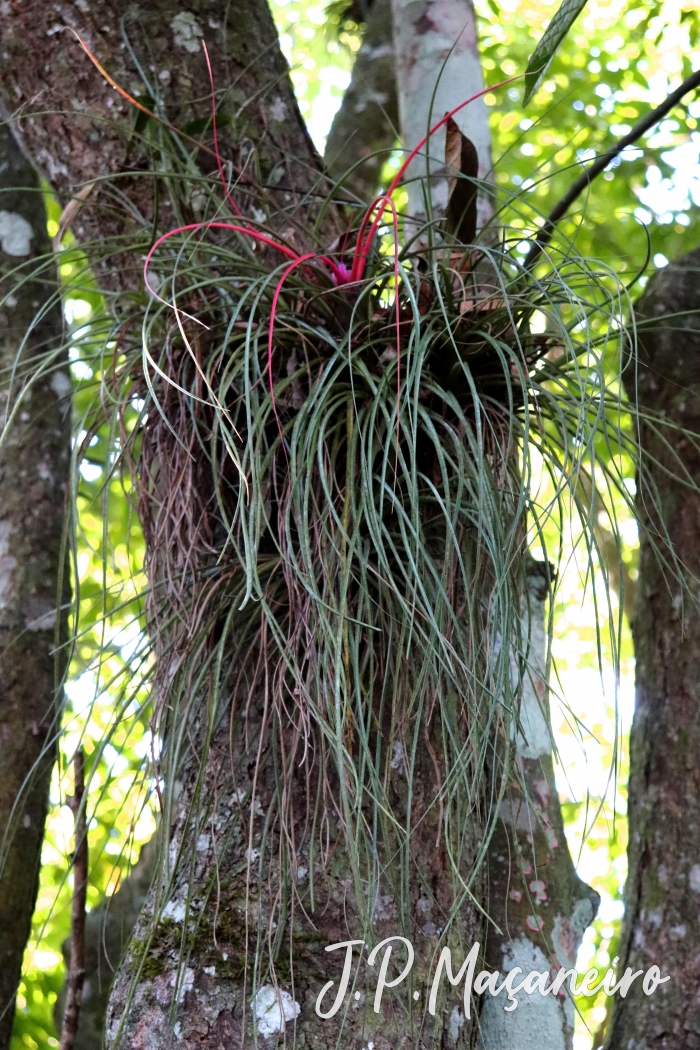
pixel 618 571
pixel 600 164
pixel 365 128
pixel 76 974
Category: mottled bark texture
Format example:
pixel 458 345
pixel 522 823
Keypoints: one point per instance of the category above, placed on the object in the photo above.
pixel 438 67
pixel 34 465
pixel 366 127
pixel 662 904
pixel 186 983
pixel 535 897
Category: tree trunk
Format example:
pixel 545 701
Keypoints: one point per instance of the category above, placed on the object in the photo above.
pixel 438 67
pixel 539 906
pixel 34 582
pixel 188 977
pixel 366 127
pixel 184 979
pixel 662 897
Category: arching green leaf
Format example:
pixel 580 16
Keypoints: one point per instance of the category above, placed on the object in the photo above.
pixel 549 45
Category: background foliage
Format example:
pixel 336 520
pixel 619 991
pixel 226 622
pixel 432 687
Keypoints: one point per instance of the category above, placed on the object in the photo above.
pixel 619 58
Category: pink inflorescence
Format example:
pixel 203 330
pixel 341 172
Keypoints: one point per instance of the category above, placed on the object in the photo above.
pixel 343 274
pixel 340 273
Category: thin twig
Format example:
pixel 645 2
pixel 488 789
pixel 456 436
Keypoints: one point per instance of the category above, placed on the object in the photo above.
pixel 653 117
pixel 70 211
pixel 76 973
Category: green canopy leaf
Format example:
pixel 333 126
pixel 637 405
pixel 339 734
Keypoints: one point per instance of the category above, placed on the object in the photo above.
pixel 549 45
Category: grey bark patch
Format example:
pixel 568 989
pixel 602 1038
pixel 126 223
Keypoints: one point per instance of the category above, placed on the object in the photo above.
pixel 15 234
pixel 278 110
pixel 44 621
pixel 456 1022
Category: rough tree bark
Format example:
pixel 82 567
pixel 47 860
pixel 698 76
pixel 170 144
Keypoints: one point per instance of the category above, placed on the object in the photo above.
pixel 85 135
pixel 85 132
pixel 662 898
pixel 34 466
